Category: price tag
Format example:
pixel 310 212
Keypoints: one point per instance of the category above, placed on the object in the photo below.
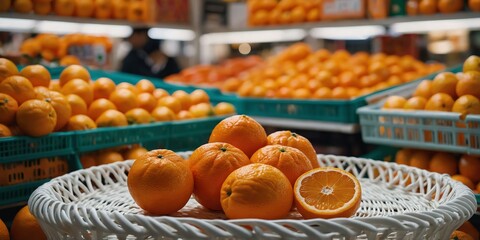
pixel 342 9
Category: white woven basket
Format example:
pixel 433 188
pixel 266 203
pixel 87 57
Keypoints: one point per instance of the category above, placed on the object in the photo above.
pixel 398 202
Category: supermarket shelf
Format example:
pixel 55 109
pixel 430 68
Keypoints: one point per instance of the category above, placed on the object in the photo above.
pixel 354 23
pixel 12 15
pixel 308 125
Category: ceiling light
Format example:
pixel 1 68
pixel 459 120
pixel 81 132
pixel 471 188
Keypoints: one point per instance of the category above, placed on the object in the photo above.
pixel 348 33
pixel 435 25
pixel 288 35
pixel 171 34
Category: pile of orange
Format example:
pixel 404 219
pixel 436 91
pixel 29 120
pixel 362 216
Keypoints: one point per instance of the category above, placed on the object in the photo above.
pixel 99 9
pixel 428 7
pixel 24 226
pixel 215 75
pixel 246 174
pixel 463 168
pixel 52 48
pixel 273 12
pixel 33 104
pixel 301 73
pixel 111 155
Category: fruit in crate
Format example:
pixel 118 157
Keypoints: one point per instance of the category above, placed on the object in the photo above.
pixel 81 103
pixel 271 12
pixel 463 168
pixel 301 73
pixel 447 92
pixel 25 226
pixel 215 75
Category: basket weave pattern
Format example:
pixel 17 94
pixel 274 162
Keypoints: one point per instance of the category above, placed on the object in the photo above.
pixel 398 202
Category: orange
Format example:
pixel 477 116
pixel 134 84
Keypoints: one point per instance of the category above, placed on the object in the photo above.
pixel 466 181
pixel 478 188
pixel 291 161
pixel 427 7
pixel 103 87
pixel 184 115
pixel 327 193
pixel 4 235
pixel 201 110
pixel 259 18
pixel 25 226
pixel 23 6
pixel 412 7
pixel 111 118
pixel 138 116
pixel 55 86
pixel 171 102
pixel 8 109
pixel 415 103
pixel 442 162
pixel 124 99
pixel 48 55
pixel 450 6
pixel 256 191
pixel 37 74
pixel 160 93
pixel 210 164
pixel 445 82
pixel 421 159
pixel 5 132
pixel 394 102
pixel 128 86
pixel 7 68
pixel 74 72
pixel 471 230
pixel 440 102
pixel 4 6
pixel 183 98
pixel 302 93
pixel 99 106
pixel 242 132
pixel 36 118
pixel 68 60
pixel 146 101
pixel 134 153
pixel 323 93
pixel 460 235
pixel 298 14
pixel 61 106
pixel 163 114
pixel 466 104
pixel 103 9
pixel 136 11
pixel 87 160
pixel 49 42
pixel 224 108
pixel 18 88
pixel 80 88
pixel 403 156
pixel 80 122
pixel 31 47
pixel 77 104
pixel 472 63
pixel 474 5
pixel 340 93
pixel 291 139
pixel 167 179
pixel 469 167
pixel 108 156
pixel 145 85
pixel 119 9
pixel 199 96
pixel 84 8
pixel 469 84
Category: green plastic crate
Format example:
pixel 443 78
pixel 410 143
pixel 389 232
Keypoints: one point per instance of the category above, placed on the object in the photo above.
pixel 101 138
pixel 17 193
pixel 190 134
pixel 23 147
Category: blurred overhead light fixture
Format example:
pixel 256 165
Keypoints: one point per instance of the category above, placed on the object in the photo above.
pixel 348 33
pixel 435 25
pixel 288 35
pixel 171 34
pixel 16 25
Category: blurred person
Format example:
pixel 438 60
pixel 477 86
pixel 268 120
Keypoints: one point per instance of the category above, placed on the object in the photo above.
pixel 145 57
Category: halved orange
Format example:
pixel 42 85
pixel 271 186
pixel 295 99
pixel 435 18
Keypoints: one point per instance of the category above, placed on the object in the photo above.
pixel 327 193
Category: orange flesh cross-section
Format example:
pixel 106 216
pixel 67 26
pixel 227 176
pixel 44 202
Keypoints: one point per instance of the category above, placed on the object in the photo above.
pixel 336 189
